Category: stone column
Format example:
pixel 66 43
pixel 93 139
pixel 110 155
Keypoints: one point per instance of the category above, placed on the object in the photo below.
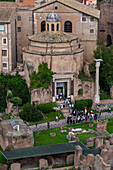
pixel 97 97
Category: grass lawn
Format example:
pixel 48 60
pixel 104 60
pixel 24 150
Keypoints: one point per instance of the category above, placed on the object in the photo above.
pixel 110 125
pixel 43 137
pixel 83 137
pixel 50 117
pixel 2 159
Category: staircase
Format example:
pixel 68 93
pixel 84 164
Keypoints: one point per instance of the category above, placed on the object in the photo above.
pixel 65 110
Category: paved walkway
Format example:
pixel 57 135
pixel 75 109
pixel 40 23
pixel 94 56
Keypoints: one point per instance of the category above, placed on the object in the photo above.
pixel 63 122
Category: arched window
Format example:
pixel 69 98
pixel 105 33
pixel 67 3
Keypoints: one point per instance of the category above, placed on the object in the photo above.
pixel 67 26
pixel 52 27
pixel 47 27
pixel 57 27
pixel 43 26
pixel 109 40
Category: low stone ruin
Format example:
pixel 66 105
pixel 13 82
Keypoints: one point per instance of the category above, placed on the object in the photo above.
pixel 11 138
pixel 101 126
pixel 90 161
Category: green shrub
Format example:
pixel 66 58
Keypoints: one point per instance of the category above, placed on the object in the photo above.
pixel 104 96
pixel 80 91
pixel 10 95
pixel 84 77
pixel 81 104
pixel 31 113
pixel 47 107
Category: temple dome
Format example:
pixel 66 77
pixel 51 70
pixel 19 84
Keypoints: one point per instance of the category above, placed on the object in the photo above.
pixel 53 17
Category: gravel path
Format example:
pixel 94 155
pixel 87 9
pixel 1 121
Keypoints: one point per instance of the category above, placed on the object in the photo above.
pixel 63 122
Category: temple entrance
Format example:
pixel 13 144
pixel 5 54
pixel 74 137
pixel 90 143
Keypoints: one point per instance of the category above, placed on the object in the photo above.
pixel 61 87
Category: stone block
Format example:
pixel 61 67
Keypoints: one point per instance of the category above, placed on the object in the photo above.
pixel 52 134
pixel 89 142
pixel 101 126
pixel 70 159
pixel 98 142
pixel 3 167
pixel 77 139
pixel 90 159
pixel 107 144
pixel 43 163
pixel 90 125
pixel 16 166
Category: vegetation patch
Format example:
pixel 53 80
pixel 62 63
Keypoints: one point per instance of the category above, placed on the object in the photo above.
pixel 42 78
pixel 16 85
pixel 81 104
pixel 83 137
pixel 84 77
pixel 43 137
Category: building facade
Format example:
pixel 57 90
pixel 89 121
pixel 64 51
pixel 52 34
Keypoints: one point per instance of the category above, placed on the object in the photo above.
pixel 106 23
pixel 65 35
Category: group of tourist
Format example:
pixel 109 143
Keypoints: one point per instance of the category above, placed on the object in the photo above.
pixel 82 116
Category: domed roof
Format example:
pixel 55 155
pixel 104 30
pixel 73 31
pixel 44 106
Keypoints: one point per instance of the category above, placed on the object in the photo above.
pixel 53 17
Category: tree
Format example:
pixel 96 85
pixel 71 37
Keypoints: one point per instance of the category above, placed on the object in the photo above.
pixel 16 101
pixel 31 113
pixel 106 67
pixel 42 78
pixel 16 85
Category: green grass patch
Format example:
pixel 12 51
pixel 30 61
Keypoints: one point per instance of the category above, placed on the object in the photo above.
pixel 43 137
pixel 2 158
pixel 64 165
pixel 83 137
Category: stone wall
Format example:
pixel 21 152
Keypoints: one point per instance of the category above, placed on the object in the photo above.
pixel 41 95
pixel 86 86
pixel 103 105
pixel 90 161
pixel 106 22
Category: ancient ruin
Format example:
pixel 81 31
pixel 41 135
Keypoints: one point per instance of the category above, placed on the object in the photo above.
pixel 14 135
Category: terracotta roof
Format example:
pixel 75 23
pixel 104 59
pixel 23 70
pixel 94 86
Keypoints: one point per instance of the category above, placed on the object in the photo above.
pixel 75 5
pixel 6 14
pixel 52 37
pixel 7 10
pixel 12 5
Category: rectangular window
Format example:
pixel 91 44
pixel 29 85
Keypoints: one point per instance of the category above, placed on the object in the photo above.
pixel 92 19
pixel 30 19
pixel 83 18
pixel 19 29
pixel 4 53
pixel 91 30
pixel 2 27
pixel 4 41
pixel 19 18
pixel 5 65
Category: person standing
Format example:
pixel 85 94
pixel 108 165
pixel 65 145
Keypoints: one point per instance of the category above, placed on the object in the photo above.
pixel 36 124
pixel 48 125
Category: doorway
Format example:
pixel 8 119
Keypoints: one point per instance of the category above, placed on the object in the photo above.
pixel 61 87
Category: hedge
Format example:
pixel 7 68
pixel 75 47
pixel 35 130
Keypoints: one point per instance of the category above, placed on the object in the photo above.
pixel 81 104
pixel 46 107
